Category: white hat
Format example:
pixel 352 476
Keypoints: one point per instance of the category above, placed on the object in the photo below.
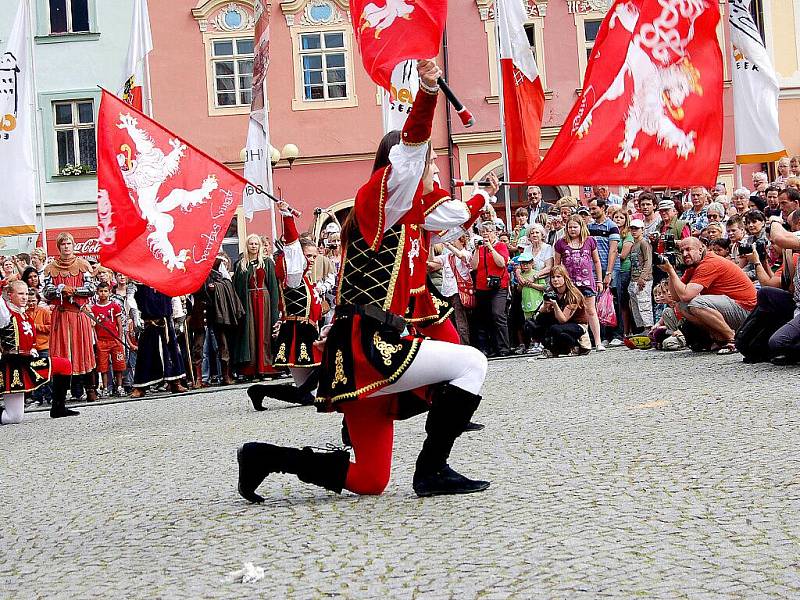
pixel 332 227
pixel 666 205
pixel 637 223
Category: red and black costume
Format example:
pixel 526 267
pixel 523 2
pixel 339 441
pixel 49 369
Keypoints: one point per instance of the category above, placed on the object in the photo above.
pixel 22 369
pixel 370 358
pixel 302 310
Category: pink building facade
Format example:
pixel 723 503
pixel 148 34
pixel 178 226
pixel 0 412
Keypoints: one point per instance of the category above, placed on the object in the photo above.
pixel 321 100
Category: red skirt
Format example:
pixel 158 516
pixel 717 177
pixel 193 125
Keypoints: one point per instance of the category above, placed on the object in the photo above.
pixel 296 345
pixel 72 337
pixel 23 373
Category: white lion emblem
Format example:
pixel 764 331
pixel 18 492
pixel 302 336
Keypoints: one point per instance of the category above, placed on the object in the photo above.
pixel 656 91
pixel 144 174
pixel 382 17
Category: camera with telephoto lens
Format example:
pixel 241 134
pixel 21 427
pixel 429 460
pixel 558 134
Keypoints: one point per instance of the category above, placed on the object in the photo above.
pixel 669 242
pixel 665 257
pixel 760 246
pixel 550 295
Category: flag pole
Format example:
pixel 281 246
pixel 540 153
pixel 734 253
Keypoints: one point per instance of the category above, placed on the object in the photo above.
pixel 272 219
pixel 501 105
pixel 36 125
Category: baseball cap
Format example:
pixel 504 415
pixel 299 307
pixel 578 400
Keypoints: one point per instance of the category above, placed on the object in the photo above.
pixel 637 223
pixel 666 205
pixel 525 257
pixel 332 227
pixel 583 210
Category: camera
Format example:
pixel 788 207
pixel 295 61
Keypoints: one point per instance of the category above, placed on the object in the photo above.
pixel 665 257
pixel 760 246
pixel 669 243
pixel 550 295
pixel 479 243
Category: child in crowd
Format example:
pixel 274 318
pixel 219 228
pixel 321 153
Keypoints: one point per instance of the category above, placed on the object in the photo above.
pixel 108 328
pixel 641 278
pixel 532 293
pixel 721 247
pixel 666 335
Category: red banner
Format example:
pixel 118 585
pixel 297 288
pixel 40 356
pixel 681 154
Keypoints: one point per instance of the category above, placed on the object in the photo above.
pixel 391 31
pixel 163 206
pixel 650 112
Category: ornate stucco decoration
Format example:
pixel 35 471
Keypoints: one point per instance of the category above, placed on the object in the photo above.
pixel 315 12
pixel 534 9
pixel 224 15
pixel 586 6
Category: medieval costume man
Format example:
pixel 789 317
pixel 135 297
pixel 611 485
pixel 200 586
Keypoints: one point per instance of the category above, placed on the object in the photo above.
pixel 216 306
pixel 369 360
pixel 21 368
pixel 158 357
pixel 302 310
pixel 68 287
pixel 257 287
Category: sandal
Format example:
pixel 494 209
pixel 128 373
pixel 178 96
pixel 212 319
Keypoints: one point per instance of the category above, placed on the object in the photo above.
pixel 729 348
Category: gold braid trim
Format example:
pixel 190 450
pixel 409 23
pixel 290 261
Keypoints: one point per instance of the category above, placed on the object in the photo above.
pixel 381 210
pixel 398 262
pixel 437 204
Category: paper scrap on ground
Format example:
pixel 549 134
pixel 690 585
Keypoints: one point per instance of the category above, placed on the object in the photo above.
pixel 249 573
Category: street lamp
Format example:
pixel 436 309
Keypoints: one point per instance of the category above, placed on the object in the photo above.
pixel 289 153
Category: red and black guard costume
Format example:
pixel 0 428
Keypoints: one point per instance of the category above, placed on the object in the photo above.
pixel 369 356
pixel 21 368
pixel 302 310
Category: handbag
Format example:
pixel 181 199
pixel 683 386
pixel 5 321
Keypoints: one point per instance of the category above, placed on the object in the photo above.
pixel 605 309
pixel 466 291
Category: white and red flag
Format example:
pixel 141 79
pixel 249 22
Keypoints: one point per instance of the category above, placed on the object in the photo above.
pixel 523 94
pixel 139 46
pixel 163 206
pixel 389 32
pixel 650 112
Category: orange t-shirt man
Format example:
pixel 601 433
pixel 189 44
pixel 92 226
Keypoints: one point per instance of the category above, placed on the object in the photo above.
pixel 721 277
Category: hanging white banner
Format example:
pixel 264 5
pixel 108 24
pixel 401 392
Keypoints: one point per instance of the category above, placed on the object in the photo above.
pixel 755 91
pixel 18 200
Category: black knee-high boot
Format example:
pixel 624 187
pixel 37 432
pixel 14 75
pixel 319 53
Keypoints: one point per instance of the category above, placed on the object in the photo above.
pixel 451 410
pixel 287 392
pixel 59 407
pixel 322 468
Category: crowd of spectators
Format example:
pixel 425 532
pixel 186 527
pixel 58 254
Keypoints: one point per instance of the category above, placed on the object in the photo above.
pixel 664 270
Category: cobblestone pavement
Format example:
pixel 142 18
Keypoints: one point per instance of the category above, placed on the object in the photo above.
pixel 681 480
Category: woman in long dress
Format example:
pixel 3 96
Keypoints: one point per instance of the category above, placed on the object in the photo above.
pixel 257 287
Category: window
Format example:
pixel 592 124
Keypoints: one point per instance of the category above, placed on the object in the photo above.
pixel 530 31
pixel 590 29
pixel 75 135
pixel 322 58
pixel 69 16
pixel 232 64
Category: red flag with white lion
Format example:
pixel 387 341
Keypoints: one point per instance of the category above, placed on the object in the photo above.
pixel 650 112
pixel 389 32
pixel 163 206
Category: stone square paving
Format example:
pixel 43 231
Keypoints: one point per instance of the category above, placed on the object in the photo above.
pixel 624 474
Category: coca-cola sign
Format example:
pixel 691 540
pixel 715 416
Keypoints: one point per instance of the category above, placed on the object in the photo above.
pixel 90 247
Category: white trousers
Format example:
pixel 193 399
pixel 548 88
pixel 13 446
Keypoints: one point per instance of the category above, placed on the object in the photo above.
pixel 641 303
pixel 15 408
pixel 437 362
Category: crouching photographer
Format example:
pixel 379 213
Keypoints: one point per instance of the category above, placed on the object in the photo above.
pixel 561 325
pixel 772 332
pixel 714 295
